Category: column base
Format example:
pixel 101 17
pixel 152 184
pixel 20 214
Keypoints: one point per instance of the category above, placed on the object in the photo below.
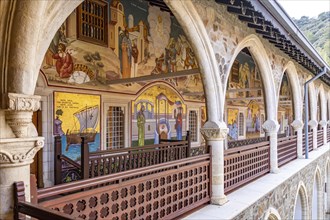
pixel 301 157
pixel 219 200
pixel 275 170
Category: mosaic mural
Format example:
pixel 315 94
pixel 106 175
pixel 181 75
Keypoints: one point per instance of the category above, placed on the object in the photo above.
pixel 76 116
pixel 142 41
pixel 158 112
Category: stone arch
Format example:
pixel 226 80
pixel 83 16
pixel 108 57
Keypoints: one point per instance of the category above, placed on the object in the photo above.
pixel 255 46
pixel 291 71
pixel 316 202
pixel 327 180
pixel 190 21
pixel 272 214
pixel 32 31
pixel 301 195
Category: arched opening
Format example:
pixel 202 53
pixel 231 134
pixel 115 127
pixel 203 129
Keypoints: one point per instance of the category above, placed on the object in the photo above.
pixel 285 114
pixel 301 204
pixel 245 108
pixel 317 196
pixel 272 214
pixel 319 111
pixel 136 68
pixel 327 190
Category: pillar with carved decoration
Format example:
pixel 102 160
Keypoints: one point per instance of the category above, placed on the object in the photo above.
pixel 271 128
pixel 215 134
pixel 298 126
pixel 313 125
pixel 323 123
pixel 19 142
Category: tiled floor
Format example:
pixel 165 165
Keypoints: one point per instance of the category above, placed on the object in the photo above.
pixel 252 192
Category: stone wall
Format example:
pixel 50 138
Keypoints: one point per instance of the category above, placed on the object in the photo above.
pixel 283 197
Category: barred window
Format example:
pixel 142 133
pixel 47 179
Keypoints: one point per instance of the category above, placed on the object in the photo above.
pixel 115 128
pixel 92 19
pixel 241 124
pixel 193 125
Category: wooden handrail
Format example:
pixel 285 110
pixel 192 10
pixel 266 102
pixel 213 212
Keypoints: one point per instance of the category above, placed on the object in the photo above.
pixel 34 210
pixel 70 161
pixel 83 184
pixel 245 148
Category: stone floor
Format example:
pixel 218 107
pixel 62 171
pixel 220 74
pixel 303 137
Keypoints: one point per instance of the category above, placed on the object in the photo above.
pixel 244 197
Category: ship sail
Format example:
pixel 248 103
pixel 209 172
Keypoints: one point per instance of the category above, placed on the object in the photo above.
pixel 88 118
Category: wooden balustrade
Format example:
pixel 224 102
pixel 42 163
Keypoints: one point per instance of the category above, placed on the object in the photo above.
pixel 320 134
pixel 310 142
pixel 162 191
pixel 286 149
pixel 244 164
pixel 239 143
pixel 328 134
pixel 118 160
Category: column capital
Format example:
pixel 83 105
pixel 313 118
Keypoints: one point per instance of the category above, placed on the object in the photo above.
pixel 20 108
pixel 312 123
pixel 297 124
pixel 271 126
pixel 323 123
pixel 19 151
pixel 212 131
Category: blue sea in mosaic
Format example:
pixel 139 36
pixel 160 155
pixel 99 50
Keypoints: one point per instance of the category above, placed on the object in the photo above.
pixel 74 152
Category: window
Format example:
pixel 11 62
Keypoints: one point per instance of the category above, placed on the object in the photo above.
pixel 115 128
pixel 92 22
pixel 193 125
pixel 241 124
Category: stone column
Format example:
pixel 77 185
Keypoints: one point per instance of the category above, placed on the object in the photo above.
pixel 271 128
pixel 298 126
pixel 214 136
pixel 18 146
pixel 313 125
pixel 323 123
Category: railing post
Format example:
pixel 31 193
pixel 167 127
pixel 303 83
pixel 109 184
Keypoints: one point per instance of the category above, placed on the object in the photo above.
pixel 58 160
pixel 19 196
pixel 188 138
pixel 84 159
pixel 214 136
pixel 271 127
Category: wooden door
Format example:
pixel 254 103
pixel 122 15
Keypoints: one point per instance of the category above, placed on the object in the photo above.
pixel 36 166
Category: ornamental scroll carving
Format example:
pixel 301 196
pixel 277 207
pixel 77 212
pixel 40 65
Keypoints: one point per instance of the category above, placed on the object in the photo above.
pixel 211 131
pixel 20 152
pixel 297 124
pixel 21 102
pixel 271 126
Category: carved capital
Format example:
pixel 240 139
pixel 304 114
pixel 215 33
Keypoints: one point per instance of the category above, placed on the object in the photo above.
pixel 312 124
pixel 328 122
pixel 323 123
pixel 297 124
pixel 21 102
pixel 212 131
pixel 271 126
pixel 19 122
pixel 19 151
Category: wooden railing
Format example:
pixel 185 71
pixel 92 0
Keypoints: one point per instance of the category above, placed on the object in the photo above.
pixel 328 134
pixel 310 142
pixel 320 134
pixel 244 164
pixel 36 211
pixel 286 149
pixel 239 143
pixel 119 160
pixel 162 191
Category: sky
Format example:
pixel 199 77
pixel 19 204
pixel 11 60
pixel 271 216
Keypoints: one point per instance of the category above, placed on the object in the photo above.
pixel 310 8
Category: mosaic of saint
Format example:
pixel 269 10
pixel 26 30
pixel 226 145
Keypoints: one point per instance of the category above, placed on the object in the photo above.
pixel 142 40
pixel 159 112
